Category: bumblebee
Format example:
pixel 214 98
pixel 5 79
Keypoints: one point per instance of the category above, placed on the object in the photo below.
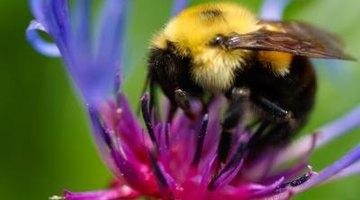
pixel 261 66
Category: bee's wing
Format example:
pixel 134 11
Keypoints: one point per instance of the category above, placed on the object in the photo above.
pixel 293 37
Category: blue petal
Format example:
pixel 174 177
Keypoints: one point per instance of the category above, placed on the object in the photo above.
pixel 337 128
pixel 38 43
pixel 112 31
pixel 178 6
pixel 349 171
pixel 37 7
pixel 82 27
pixel 273 9
pixel 350 158
pixel 58 25
pixel 53 16
pixel 97 73
pixel 93 69
pixel 305 145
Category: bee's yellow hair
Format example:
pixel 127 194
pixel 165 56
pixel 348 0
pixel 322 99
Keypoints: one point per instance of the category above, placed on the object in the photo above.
pixel 214 68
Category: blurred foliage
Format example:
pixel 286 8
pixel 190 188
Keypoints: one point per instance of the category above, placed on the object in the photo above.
pixel 46 144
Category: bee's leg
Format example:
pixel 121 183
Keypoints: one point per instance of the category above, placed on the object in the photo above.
pixel 281 128
pixel 153 97
pixel 275 111
pixel 283 122
pixel 182 100
pixel 237 106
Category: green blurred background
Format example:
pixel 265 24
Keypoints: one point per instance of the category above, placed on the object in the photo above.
pixel 46 144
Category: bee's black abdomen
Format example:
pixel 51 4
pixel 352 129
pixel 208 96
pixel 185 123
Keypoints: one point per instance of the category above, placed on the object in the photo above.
pixel 293 93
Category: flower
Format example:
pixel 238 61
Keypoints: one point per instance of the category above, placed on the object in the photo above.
pixel 176 160
pixel 92 63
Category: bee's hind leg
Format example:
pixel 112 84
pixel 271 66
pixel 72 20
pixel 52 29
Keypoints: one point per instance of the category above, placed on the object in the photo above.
pixel 282 128
pixel 274 111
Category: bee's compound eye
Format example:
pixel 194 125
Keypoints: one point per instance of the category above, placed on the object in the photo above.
pixel 217 41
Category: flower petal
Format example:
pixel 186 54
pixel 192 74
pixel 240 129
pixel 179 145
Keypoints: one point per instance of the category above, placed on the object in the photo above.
pixel 36 7
pixel 112 26
pixel 129 172
pixel 273 9
pixel 131 130
pixel 338 127
pixel 327 133
pixel 123 192
pixel 38 43
pixel 350 158
pixel 351 170
pixel 102 140
pixel 178 6
pixel 82 27
pixel 53 16
pixel 97 75
pixel 57 23
pixel 226 177
pixel 288 174
pixel 268 189
pixel 94 75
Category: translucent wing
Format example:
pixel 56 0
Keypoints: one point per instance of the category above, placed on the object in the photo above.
pixel 293 37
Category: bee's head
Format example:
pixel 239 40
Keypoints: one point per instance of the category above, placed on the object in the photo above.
pixel 199 32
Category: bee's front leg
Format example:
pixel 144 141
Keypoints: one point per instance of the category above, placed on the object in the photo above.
pixel 238 105
pixel 182 100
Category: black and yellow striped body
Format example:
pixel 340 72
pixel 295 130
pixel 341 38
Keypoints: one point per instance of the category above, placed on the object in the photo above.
pixel 261 66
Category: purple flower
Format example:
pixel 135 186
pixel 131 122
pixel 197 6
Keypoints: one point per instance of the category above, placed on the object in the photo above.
pixel 176 160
